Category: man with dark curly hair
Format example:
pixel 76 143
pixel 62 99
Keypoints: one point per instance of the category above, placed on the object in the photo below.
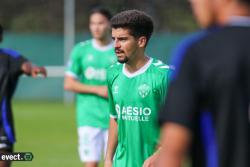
pixel 137 87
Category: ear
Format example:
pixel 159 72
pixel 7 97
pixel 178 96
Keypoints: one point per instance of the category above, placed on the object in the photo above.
pixel 142 41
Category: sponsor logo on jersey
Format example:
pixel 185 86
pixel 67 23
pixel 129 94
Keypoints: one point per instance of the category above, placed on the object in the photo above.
pixel 130 113
pixel 97 74
pixel 156 92
pixel 143 90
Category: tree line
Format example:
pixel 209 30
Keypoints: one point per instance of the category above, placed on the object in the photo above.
pixel 47 15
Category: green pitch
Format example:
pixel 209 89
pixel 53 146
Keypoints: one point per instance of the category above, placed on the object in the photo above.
pixel 48 130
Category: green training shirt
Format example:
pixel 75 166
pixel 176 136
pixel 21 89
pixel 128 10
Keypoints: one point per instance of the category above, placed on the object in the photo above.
pixel 88 63
pixel 135 100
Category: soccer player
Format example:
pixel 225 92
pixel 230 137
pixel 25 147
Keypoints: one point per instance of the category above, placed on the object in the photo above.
pixel 12 66
pixel 86 76
pixel 207 106
pixel 137 87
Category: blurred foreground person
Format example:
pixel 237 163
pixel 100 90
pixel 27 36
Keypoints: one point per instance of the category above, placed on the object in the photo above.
pixel 206 112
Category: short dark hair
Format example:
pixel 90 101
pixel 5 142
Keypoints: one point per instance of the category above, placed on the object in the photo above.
pixel 138 23
pixel 1 29
pixel 101 10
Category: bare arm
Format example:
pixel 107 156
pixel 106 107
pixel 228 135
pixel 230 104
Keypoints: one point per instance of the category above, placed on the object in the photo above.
pixel 175 142
pixel 112 142
pixel 71 84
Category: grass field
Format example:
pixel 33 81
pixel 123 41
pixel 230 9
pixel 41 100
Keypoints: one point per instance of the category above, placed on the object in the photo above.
pixel 48 130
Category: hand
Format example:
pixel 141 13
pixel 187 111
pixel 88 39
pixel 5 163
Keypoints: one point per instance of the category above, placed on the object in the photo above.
pixel 151 161
pixel 35 71
pixel 102 91
pixel 108 163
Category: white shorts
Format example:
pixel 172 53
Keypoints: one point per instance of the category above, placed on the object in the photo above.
pixel 92 143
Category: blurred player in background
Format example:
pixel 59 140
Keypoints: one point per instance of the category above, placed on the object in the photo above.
pixel 12 66
pixel 137 87
pixel 207 106
pixel 86 76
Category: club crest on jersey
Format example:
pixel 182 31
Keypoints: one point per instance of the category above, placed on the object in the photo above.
pixel 90 57
pixel 144 90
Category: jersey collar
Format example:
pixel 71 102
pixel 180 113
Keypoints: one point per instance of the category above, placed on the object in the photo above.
pixel 139 71
pixel 239 21
pixel 102 48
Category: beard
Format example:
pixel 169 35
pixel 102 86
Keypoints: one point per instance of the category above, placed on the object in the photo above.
pixel 121 59
pixel 124 60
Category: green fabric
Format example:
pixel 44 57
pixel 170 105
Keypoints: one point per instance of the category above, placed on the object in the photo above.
pixel 135 102
pixel 89 64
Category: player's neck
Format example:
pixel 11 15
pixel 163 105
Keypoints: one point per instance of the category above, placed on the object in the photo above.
pixel 137 63
pixel 103 42
pixel 234 9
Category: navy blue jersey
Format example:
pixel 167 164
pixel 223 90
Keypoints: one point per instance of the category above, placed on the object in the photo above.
pixel 210 94
pixel 10 70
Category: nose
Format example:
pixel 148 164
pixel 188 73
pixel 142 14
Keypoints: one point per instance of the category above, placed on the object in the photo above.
pixel 117 44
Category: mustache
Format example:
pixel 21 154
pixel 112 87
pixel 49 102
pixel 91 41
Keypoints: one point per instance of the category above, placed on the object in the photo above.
pixel 119 51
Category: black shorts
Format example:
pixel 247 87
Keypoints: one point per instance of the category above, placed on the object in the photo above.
pixel 5 144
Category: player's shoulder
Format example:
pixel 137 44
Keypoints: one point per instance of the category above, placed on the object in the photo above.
pixel 84 44
pixel 194 39
pixel 160 67
pixel 116 67
pixel 186 45
pixel 231 35
pixel 10 52
pixel 114 70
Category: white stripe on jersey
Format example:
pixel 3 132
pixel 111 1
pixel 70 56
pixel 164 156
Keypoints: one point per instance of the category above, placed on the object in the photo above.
pixel 167 67
pixel 158 63
pixel 112 116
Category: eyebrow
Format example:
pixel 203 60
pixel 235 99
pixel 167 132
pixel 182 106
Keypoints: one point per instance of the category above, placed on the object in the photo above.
pixel 120 37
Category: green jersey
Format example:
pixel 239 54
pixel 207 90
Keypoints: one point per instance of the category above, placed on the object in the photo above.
pixel 135 100
pixel 88 63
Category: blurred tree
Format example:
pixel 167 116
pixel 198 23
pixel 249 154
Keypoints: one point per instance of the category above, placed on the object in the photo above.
pixel 47 15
